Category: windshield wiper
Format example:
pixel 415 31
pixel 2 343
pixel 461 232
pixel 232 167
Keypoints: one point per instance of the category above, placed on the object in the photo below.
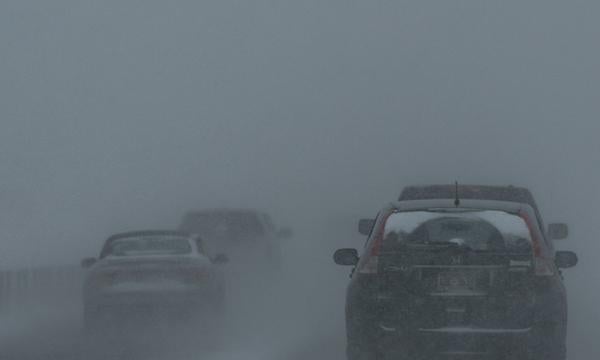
pixel 448 244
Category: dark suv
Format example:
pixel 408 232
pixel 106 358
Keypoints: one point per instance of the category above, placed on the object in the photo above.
pixel 440 278
pixel 245 235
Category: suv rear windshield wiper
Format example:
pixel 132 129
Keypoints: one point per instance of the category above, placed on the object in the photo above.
pixel 443 244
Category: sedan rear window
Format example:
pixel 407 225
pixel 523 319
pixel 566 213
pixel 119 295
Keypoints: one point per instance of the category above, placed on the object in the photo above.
pixel 478 230
pixel 149 245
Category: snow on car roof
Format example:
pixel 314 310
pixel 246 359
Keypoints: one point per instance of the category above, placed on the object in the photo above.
pixel 507 206
pixel 481 192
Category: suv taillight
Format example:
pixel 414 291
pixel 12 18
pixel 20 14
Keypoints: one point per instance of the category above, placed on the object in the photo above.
pixel 543 263
pixel 370 262
pixel 369 266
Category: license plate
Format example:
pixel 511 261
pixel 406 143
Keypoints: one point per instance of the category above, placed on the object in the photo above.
pixel 454 280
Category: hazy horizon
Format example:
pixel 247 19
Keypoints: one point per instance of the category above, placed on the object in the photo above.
pixel 120 115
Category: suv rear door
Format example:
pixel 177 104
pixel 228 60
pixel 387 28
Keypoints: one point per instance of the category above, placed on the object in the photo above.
pixel 456 269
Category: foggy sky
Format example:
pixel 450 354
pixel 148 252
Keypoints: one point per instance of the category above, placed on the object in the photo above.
pixel 123 114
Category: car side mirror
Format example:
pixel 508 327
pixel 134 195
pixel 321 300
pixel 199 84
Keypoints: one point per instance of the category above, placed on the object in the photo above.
pixel 221 259
pixel 285 233
pixel 365 226
pixel 558 231
pixel 566 259
pixel 346 257
pixel 88 262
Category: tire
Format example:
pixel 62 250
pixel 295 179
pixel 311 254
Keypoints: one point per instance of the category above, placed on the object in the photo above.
pixel 361 338
pixel 91 321
pixel 92 326
pixel 549 343
pixel 556 352
pixel 363 346
pixel 354 352
pixel 96 323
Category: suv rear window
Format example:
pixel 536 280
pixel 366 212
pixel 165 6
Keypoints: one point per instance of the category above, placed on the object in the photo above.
pixel 477 230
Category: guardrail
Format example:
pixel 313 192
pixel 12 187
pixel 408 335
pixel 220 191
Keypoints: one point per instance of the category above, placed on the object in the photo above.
pixel 25 286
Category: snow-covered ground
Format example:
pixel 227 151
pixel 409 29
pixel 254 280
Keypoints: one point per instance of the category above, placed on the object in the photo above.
pixel 297 314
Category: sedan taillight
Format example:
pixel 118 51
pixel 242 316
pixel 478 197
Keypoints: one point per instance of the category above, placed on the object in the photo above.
pixel 194 276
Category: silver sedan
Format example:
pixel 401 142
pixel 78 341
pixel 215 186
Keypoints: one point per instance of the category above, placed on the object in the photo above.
pixel 145 273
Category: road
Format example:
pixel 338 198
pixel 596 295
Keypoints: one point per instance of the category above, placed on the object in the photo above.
pixel 298 317
pixel 62 339
pixel 269 320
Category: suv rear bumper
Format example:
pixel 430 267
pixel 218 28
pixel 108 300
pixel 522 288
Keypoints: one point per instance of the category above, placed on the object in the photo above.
pixel 454 341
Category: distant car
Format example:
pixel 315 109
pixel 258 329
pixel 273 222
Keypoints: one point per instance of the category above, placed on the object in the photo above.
pixel 149 271
pixel 245 235
pixel 473 278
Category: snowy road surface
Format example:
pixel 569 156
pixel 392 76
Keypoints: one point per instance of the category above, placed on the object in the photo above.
pixel 61 338
pixel 299 318
pixel 55 334
pixel 269 320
